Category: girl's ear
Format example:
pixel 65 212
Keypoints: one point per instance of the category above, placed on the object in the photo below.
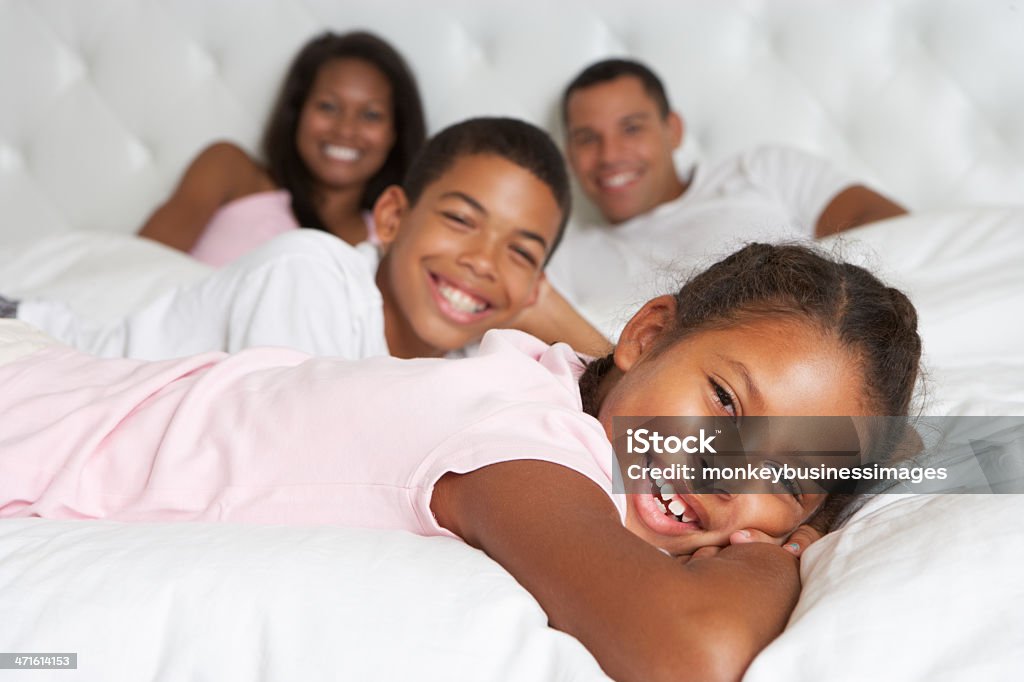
pixel 388 213
pixel 644 331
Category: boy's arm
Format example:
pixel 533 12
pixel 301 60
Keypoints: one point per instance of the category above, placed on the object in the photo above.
pixel 552 319
pixel 642 614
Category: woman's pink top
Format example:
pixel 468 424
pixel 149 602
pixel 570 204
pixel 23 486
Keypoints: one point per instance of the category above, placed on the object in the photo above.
pixel 241 225
pixel 271 435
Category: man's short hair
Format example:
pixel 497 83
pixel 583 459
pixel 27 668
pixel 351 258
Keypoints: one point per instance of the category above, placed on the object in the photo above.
pixel 610 69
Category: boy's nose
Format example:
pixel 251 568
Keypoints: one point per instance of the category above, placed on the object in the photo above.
pixel 480 260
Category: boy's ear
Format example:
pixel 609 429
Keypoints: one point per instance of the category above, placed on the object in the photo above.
pixel 388 212
pixel 676 127
pixel 644 331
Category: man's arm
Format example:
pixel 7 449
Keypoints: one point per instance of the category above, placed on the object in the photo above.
pixel 856 205
pixel 642 614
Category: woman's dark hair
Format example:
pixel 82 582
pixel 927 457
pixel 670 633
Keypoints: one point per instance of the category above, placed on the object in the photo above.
pixel 876 323
pixel 285 165
pixel 519 142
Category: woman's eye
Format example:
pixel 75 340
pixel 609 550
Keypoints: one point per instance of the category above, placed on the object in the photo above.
pixel 724 398
pixel 326 106
pixel 373 115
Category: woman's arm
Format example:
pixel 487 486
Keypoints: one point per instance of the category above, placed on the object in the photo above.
pixel 220 173
pixel 642 614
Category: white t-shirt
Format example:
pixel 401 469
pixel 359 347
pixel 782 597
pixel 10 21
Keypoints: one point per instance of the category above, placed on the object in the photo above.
pixel 767 193
pixel 306 290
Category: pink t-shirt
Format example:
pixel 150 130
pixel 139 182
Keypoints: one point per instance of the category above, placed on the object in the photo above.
pixel 241 225
pixel 270 435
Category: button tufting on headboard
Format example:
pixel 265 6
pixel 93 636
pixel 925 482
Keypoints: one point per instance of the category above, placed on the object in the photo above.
pixel 106 101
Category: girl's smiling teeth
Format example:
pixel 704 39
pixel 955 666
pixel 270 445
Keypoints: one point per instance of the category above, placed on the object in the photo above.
pixel 341 153
pixel 673 505
pixel 460 300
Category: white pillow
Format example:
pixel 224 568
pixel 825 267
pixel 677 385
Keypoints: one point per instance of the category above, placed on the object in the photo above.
pixel 226 602
pixel 913 588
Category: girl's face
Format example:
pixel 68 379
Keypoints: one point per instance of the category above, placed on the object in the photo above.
pixel 766 367
pixel 346 126
pixel 466 257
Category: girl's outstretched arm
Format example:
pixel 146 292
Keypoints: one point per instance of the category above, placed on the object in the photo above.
pixel 642 614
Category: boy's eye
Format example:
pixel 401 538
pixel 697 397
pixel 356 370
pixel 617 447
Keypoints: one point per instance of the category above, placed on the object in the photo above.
pixel 457 218
pixel 526 255
pixel 632 129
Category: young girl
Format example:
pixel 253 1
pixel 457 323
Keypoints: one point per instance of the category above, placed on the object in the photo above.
pixel 508 450
pixel 465 241
pixel 346 125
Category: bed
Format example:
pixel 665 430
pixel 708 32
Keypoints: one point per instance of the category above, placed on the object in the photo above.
pixel 106 101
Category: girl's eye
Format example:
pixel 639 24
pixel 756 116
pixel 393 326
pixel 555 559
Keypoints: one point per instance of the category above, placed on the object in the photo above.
pixel 326 106
pixel 724 398
pixel 788 484
pixel 373 115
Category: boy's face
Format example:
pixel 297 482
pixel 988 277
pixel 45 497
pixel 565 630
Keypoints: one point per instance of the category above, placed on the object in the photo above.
pixel 620 148
pixel 466 258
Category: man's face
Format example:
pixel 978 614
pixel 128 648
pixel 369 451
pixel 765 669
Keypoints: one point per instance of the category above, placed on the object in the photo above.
pixel 620 148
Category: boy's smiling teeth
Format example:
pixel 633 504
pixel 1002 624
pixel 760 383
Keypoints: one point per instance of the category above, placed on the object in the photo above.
pixel 339 153
pixel 459 299
pixel 619 179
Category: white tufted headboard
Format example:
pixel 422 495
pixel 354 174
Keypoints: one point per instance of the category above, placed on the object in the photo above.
pixel 106 101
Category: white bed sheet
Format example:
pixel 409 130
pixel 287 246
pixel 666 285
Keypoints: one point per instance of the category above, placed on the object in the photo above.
pixel 914 588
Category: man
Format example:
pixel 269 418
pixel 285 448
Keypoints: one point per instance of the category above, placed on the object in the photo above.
pixel 620 137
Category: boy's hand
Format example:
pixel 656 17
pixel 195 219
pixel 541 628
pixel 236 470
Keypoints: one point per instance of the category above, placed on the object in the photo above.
pixel 799 540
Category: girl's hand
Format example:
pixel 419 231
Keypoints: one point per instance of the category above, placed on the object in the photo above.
pixel 795 544
pixel 701 553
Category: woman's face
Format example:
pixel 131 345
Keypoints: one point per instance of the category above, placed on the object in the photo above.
pixel 346 127
pixel 765 367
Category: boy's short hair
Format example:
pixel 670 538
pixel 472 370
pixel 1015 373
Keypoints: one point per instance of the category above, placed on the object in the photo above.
pixel 610 69
pixel 522 143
